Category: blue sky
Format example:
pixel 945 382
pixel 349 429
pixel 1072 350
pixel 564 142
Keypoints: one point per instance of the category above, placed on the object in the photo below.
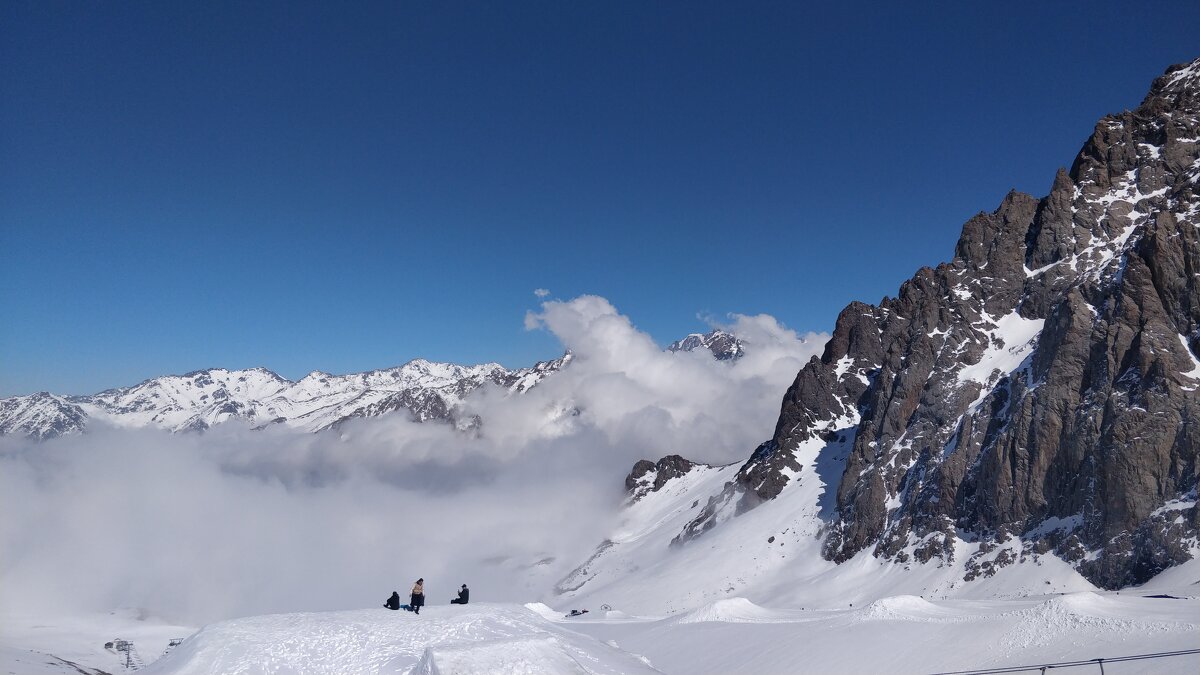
pixel 310 186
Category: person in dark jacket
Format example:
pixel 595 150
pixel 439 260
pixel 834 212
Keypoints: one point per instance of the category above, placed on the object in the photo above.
pixel 418 596
pixel 393 602
pixel 463 596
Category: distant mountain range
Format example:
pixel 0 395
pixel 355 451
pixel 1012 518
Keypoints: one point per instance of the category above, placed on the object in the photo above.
pixel 425 390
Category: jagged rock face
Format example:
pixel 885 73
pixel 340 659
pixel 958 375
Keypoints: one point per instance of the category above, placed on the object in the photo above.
pixel 1042 384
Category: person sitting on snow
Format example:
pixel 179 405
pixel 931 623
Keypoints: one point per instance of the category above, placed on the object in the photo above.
pixel 393 602
pixel 463 596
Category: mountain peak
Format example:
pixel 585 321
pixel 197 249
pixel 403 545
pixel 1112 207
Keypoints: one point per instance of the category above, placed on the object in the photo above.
pixel 1178 87
pixel 723 345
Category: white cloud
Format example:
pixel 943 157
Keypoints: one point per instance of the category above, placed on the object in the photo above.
pixel 233 521
pixel 541 292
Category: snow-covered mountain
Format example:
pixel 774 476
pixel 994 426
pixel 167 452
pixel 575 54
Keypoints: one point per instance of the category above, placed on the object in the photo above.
pixel 1032 400
pixel 41 415
pixel 724 346
pixel 318 401
pixel 426 390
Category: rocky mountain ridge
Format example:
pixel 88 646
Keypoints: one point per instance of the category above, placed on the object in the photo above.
pixel 1035 395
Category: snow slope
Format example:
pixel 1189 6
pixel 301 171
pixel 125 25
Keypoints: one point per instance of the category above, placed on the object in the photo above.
pixel 906 634
pixel 773 556
pixel 37 645
pixel 901 633
pixel 479 639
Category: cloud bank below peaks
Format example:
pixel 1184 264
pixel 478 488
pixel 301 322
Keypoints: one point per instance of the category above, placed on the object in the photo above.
pixel 196 527
pixel 620 379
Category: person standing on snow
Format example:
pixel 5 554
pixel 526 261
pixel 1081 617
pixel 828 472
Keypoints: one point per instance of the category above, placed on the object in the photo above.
pixel 418 596
pixel 463 596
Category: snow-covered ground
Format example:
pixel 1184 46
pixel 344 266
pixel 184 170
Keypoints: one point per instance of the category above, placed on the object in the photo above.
pixel 902 633
pixel 481 638
pixel 907 634
pixel 60 642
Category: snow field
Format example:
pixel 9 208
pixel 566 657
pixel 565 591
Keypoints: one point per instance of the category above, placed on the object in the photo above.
pixel 38 645
pixel 903 633
pixel 472 640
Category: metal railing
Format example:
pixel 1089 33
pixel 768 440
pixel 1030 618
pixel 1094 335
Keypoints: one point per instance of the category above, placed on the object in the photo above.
pixel 1043 667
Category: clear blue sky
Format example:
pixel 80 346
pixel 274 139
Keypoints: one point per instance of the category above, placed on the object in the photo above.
pixel 318 186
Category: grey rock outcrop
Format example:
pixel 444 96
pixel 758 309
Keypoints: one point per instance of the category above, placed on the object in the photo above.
pixel 648 476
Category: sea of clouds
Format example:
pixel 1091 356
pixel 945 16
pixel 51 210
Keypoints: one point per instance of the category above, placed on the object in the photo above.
pixel 230 522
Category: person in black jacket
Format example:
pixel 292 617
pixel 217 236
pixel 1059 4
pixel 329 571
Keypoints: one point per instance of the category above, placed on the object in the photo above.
pixel 463 596
pixel 393 602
